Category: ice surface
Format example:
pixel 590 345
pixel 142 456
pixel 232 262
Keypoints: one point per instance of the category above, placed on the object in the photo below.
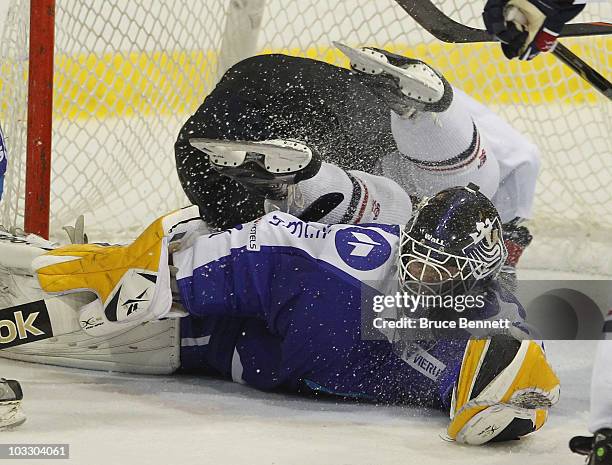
pixel 110 418
pixel 127 419
pixel 123 419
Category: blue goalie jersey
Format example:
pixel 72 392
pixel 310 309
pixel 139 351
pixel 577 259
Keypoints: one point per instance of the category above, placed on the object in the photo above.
pixel 276 303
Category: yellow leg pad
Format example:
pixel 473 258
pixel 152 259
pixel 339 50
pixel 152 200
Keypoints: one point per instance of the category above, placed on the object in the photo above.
pixel 527 383
pixel 534 373
pixel 462 418
pixel 472 358
pixel 541 417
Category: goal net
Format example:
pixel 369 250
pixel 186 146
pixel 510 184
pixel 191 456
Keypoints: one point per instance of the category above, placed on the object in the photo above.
pixel 127 75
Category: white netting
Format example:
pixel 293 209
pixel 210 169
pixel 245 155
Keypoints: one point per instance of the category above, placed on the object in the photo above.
pixel 128 74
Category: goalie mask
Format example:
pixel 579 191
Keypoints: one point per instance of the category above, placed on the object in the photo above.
pixel 453 243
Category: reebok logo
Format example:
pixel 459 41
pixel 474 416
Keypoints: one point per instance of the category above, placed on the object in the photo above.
pixel 18 329
pixel 130 295
pixel 132 304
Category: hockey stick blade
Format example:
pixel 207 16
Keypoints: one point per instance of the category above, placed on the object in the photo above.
pixel 35 321
pixel 446 29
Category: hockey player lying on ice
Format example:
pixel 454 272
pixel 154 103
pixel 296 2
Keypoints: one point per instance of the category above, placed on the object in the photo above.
pixel 404 122
pixel 276 304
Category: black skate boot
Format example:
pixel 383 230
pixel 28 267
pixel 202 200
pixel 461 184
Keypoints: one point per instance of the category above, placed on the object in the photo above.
pixel 597 448
pixel 266 168
pixel 10 403
pixel 406 85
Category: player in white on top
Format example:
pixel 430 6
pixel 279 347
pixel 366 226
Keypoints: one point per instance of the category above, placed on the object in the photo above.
pixel 439 138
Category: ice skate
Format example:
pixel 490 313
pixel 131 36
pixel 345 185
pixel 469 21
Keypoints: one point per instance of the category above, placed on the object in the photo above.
pixel 405 84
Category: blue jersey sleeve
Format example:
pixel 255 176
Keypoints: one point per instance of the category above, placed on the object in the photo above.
pixel 271 262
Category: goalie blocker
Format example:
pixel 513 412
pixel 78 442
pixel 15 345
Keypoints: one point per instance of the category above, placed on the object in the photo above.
pixel 123 286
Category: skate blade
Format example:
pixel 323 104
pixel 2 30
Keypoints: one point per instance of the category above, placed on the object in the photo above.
pixel 280 156
pixel 416 79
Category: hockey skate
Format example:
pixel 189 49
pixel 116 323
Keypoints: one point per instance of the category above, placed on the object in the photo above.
pixel 11 414
pixel 597 448
pixel 407 85
pixel 267 167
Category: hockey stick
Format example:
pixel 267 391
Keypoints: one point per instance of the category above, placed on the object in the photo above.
pixel 446 29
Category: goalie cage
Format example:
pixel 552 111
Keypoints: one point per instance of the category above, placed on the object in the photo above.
pixel 128 74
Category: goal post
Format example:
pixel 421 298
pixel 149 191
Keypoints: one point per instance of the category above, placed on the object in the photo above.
pixel 239 40
pixel 40 117
pixel 128 74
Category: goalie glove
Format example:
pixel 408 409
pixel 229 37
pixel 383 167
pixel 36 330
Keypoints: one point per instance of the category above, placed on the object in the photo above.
pixel 131 282
pixel 503 392
pixel 528 27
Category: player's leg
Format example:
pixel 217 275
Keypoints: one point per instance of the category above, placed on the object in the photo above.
pixel 598 447
pixel 278 96
pixel 601 386
pixel 290 176
pixel 405 84
pixel 462 141
pixel 223 202
pixel 440 145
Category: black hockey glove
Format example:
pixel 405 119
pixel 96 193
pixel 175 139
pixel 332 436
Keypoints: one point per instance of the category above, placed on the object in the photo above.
pixel 528 27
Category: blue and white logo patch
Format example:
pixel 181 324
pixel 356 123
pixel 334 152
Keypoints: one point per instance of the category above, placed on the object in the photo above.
pixel 362 249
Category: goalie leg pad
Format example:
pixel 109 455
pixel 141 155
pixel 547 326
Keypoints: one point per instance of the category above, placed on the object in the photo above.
pixel 151 348
pixel 504 390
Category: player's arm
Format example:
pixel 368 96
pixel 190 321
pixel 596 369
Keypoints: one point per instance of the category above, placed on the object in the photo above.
pixel 247 271
pixel 528 27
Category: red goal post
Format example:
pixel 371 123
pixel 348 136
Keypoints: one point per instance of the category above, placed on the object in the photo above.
pixel 40 117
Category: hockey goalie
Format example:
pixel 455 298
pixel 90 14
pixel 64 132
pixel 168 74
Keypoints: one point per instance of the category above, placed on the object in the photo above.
pixel 276 303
